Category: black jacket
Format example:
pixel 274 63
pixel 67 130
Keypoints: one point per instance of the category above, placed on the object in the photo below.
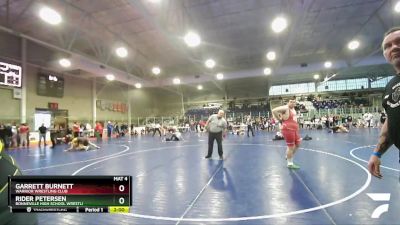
pixel 9 167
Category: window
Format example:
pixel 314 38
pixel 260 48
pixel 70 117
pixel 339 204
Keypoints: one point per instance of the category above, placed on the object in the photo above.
pixel 311 87
pixel 381 82
pixel 321 87
pixel 303 88
pixel 334 85
pixel 275 90
pixel 341 85
pixel 351 84
pixel 361 83
pixel 292 89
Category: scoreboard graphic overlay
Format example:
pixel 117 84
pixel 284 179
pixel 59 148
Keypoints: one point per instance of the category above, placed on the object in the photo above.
pixel 79 194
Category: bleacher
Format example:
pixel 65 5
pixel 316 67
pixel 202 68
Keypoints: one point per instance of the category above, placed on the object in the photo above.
pixel 339 103
pixel 304 106
pixel 201 112
pixel 247 110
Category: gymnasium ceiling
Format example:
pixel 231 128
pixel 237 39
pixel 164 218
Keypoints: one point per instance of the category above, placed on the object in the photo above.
pixel 235 33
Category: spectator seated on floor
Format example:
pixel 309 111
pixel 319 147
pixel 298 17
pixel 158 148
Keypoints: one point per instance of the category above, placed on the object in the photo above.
pixel 240 132
pixel 339 129
pixel 66 139
pixel 175 136
pixel 238 129
pixel 278 136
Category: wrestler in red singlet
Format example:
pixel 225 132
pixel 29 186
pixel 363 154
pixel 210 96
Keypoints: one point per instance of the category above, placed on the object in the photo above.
pixel 290 129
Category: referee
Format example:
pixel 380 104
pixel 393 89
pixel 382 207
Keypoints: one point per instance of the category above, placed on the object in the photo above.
pixel 216 126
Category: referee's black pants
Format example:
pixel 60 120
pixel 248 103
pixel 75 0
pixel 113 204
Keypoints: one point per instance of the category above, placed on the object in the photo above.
pixel 215 136
pixel 156 130
pixel 250 128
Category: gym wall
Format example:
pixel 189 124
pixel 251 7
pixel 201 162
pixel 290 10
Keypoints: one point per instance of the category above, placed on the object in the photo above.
pixel 154 102
pixel 10 107
pixel 77 97
pixel 112 92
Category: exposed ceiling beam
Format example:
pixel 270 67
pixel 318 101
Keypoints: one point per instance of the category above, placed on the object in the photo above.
pixel 21 14
pixel 137 4
pixel 301 9
pixel 77 30
pixel 374 13
pixel 8 12
pixel 61 39
pixel 92 45
pixel 384 25
pixel 64 50
pixel 138 53
pixel 374 50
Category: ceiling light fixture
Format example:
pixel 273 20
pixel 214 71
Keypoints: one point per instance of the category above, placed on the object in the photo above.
pixel 397 7
pixel 353 45
pixel 199 87
pixel 316 76
pixel 156 70
pixel 64 62
pixel 279 24
pixel 271 55
pixel 267 71
pixel 328 64
pixel 121 52
pixel 192 39
pixel 220 76
pixel 110 77
pixel 210 63
pixel 138 85
pixel 176 81
pixel 50 15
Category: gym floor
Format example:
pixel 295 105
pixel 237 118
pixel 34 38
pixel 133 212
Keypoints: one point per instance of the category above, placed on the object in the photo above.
pixel 174 184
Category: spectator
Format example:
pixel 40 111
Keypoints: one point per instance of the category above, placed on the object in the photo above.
pixel 42 134
pixel 24 135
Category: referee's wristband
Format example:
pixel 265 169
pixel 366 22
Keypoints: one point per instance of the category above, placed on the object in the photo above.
pixel 377 154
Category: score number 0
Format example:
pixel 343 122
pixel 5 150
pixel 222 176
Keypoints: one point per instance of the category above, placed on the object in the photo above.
pixel 121 200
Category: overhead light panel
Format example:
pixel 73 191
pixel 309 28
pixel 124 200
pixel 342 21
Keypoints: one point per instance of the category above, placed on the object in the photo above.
pixel 210 63
pixel 397 7
pixel 176 81
pixel 353 45
pixel 267 71
pixel 138 85
pixel 192 39
pixel 328 64
pixel 64 62
pixel 271 55
pixel 279 24
pixel 220 76
pixel 121 52
pixel 156 70
pixel 316 76
pixel 110 77
pixel 326 79
pixel 50 15
pixel 199 87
